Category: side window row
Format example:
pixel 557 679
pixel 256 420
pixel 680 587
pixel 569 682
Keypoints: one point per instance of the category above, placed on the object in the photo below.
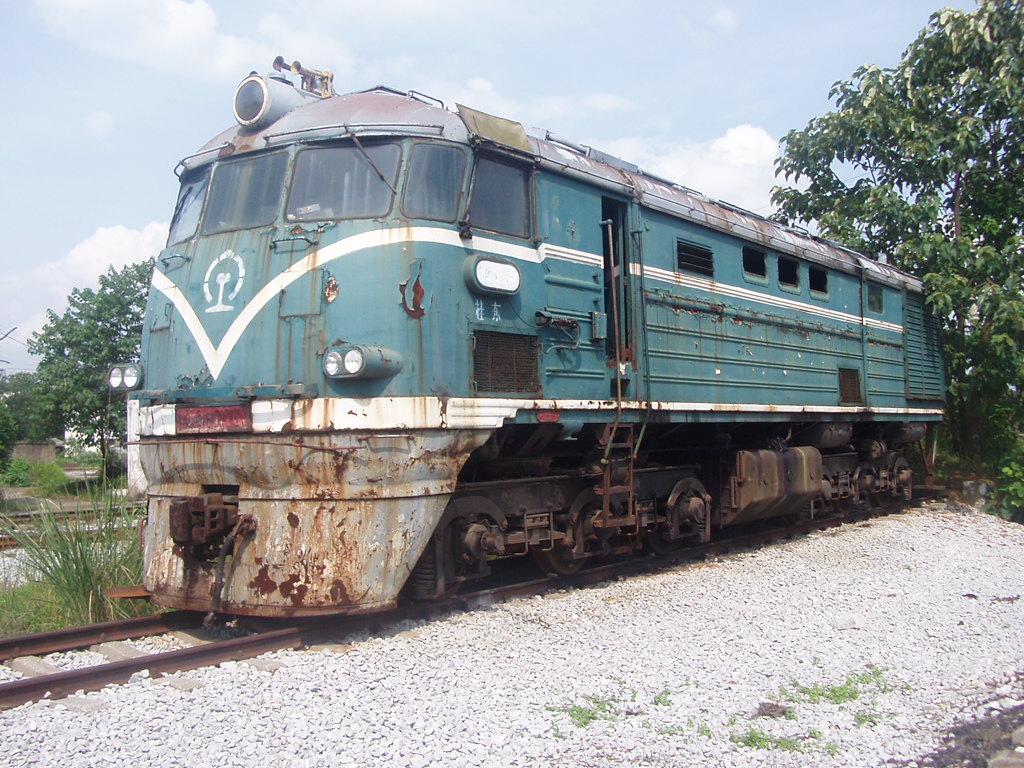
pixel 699 260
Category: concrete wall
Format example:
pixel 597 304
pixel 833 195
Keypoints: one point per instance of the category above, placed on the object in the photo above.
pixel 35 451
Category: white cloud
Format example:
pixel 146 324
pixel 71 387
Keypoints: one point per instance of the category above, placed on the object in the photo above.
pixel 480 93
pixel 115 246
pixel 608 102
pixel 724 20
pixel 99 123
pixel 167 35
pixel 48 284
pixel 306 43
pixel 738 167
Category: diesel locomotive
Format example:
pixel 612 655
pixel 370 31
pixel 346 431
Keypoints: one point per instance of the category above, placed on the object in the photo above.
pixel 389 344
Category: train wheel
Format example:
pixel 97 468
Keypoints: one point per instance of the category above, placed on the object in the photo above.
pixel 457 551
pixel 566 560
pixel 558 560
pixel 902 479
pixel 688 512
pixel 433 578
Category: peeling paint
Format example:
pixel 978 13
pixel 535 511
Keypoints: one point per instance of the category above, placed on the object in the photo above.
pixel 330 535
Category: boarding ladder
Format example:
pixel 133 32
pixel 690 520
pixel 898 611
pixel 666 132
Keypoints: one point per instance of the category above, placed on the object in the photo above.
pixel 617 443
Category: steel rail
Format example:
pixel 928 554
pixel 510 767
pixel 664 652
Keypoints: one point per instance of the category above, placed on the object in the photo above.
pixel 62 684
pixel 82 637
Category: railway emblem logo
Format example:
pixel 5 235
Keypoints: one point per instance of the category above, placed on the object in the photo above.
pixel 226 269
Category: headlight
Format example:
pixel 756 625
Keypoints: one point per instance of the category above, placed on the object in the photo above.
pixel 125 376
pixel 251 100
pixel 332 363
pixel 361 362
pixel 131 377
pixel 259 101
pixel 354 361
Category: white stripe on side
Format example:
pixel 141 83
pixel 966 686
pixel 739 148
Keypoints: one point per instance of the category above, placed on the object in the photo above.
pixel 403 413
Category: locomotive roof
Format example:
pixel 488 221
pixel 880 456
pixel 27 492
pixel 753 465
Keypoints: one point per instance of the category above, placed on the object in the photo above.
pixel 383 111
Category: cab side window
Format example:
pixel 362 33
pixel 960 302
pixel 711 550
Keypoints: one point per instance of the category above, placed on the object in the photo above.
pixel 501 195
pixel 435 182
pixel 876 301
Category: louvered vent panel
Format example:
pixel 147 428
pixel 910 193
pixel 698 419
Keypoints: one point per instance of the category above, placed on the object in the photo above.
pixel 925 379
pixel 849 386
pixel 505 362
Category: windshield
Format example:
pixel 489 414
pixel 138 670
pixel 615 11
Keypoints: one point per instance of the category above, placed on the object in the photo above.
pixel 343 182
pixel 245 193
pixel 190 205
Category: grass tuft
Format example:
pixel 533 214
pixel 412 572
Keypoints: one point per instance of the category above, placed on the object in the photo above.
pixel 68 563
pixel 849 690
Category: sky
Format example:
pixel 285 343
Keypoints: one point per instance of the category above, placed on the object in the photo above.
pixel 104 97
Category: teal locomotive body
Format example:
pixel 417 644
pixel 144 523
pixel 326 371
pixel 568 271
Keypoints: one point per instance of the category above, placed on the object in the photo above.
pixel 388 343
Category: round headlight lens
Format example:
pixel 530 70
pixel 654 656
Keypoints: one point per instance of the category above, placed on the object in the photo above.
pixel 116 378
pixel 332 363
pixel 250 101
pixel 353 361
pixel 130 377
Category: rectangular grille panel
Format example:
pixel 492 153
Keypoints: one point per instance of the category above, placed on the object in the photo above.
pixel 505 362
pixel 923 341
pixel 695 258
pixel 849 386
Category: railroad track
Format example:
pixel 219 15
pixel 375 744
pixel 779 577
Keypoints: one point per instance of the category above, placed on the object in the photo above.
pixel 273 636
pixel 61 684
pixel 24 520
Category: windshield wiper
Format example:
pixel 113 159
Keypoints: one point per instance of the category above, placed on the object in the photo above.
pixel 366 156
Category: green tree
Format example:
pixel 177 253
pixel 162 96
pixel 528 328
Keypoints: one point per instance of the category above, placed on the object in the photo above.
pixel 924 162
pixel 26 397
pixel 98 328
pixel 8 434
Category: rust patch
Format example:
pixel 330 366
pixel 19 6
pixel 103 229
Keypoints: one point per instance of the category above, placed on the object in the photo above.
pixel 293 590
pixel 412 293
pixel 263 583
pixel 339 592
pixel 331 290
pixel 293 520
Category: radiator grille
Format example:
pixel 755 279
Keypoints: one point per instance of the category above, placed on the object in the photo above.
pixel 923 342
pixel 849 386
pixel 505 362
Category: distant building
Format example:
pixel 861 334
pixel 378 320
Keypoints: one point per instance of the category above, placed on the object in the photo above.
pixel 45 452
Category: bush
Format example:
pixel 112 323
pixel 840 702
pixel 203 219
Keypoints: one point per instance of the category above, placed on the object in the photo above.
pixel 1010 495
pixel 47 476
pixel 17 474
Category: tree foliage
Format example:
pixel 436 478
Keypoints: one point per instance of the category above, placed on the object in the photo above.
pixel 8 434
pixel 99 328
pixel 924 162
pixel 25 397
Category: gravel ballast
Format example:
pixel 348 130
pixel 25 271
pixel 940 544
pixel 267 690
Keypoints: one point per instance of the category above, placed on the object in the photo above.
pixel 857 646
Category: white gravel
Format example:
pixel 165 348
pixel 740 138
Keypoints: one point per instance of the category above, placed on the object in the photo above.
pixel 876 638
pixel 13 570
